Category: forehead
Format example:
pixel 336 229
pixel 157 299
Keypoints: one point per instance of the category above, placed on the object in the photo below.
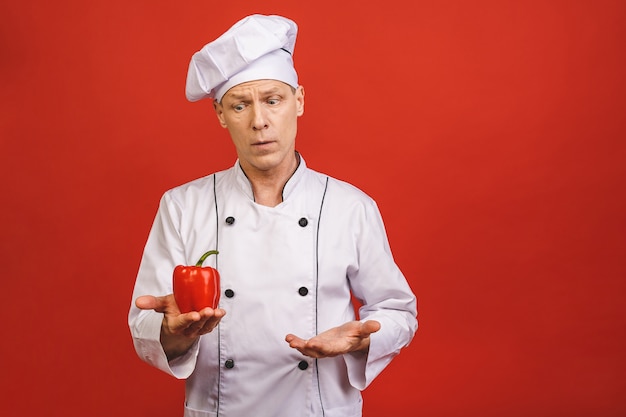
pixel 261 87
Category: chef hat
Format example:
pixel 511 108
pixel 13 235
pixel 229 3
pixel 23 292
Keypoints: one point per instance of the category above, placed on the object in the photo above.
pixel 257 47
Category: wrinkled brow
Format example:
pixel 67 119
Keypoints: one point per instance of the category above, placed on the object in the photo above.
pixel 247 96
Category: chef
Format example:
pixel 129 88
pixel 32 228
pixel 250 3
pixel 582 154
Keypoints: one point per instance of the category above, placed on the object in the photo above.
pixel 295 246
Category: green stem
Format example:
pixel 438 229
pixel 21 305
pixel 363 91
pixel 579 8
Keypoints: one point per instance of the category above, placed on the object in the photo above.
pixel 206 255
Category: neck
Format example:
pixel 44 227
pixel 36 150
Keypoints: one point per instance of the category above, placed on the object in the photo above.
pixel 267 186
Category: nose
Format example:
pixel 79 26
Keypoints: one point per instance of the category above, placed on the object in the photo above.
pixel 259 119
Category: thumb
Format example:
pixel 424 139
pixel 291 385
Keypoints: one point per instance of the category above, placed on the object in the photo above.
pixel 369 327
pixel 150 302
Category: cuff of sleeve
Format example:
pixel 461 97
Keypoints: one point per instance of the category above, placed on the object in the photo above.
pixel 356 363
pixel 363 368
pixel 182 367
pixel 148 345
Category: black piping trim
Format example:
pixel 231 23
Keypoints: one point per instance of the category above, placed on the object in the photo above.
pixel 219 338
pixel 282 191
pixel 317 276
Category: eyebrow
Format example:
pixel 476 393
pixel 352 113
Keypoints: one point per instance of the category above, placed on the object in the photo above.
pixel 243 96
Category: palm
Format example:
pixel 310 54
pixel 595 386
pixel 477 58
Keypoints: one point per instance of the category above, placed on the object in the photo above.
pixel 349 337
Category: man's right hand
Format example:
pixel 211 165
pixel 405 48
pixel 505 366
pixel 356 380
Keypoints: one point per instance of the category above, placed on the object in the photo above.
pixel 180 331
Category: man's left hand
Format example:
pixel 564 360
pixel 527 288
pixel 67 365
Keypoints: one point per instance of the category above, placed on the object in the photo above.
pixel 353 336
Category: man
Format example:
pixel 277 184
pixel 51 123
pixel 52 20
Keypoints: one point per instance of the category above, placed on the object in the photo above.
pixel 294 246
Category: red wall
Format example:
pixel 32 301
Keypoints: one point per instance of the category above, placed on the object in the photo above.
pixel 491 133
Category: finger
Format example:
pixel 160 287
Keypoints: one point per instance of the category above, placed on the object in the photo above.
pixel 208 326
pixel 305 347
pixel 210 323
pixel 202 322
pixel 209 313
pixel 219 313
pixel 295 342
pixel 209 318
pixel 185 323
pixel 189 323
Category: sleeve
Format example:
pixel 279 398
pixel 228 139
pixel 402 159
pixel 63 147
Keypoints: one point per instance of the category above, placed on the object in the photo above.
pixel 163 251
pixel 386 297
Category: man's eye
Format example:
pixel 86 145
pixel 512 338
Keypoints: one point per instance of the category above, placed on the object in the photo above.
pixel 239 107
pixel 273 101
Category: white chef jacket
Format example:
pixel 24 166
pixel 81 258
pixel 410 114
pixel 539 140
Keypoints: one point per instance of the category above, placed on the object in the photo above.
pixel 285 269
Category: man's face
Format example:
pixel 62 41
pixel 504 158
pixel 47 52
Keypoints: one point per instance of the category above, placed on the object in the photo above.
pixel 261 117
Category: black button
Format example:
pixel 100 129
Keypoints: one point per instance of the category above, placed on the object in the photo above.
pixel 229 364
pixel 229 293
pixel 303 222
pixel 230 220
pixel 303 365
pixel 303 291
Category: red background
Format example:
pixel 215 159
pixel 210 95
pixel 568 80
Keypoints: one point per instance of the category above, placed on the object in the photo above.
pixel 491 133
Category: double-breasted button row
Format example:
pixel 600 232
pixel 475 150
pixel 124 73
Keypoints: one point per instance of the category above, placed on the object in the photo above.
pixel 303 291
pixel 230 364
pixel 303 222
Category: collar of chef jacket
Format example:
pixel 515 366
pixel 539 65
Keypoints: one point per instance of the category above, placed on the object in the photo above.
pixel 244 183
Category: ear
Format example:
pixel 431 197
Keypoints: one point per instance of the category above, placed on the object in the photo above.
pixel 219 111
pixel 300 100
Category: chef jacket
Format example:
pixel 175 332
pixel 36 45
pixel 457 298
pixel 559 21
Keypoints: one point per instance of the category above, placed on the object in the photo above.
pixel 292 268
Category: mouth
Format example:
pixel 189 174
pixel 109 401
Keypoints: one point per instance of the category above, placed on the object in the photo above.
pixel 264 146
pixel 262 143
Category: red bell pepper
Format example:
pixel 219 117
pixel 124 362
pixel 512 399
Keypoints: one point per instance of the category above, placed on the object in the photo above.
pixel 196 287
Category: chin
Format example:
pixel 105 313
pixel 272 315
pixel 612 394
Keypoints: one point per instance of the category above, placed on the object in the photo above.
pixel 263 162
pixel 268 161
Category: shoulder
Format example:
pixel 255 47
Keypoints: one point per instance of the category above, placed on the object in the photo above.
pixel 336 185
pixel 191 191
pixel 343 193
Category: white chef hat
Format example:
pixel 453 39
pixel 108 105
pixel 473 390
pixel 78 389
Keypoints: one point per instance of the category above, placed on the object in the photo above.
pixel 257 47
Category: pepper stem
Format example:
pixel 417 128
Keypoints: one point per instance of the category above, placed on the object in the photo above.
pixel 206 255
